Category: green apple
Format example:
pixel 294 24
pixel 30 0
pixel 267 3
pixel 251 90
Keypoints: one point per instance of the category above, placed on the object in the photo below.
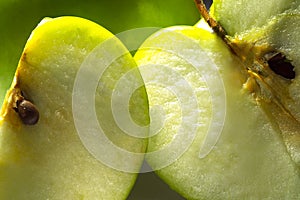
pixel 18 18
pixel 271 55
pixel 275 58
pixel 48 147
pixel 230 123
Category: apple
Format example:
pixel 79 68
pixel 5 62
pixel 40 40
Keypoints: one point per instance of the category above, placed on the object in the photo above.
pixel 18 18
pixel 229 124
pixel 270 55
pixel 49 149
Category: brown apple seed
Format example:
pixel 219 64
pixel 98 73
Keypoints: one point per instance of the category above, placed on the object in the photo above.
pixel 280 65
pixel 27 112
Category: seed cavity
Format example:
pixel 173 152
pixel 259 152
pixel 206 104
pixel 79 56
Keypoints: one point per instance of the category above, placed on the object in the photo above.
pixel 280 65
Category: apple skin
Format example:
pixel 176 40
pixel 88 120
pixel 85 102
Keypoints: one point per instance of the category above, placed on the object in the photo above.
pixel 18 18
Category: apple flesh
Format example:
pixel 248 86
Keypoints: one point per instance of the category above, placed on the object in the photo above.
pixel 273 54
pixel 237 16
pixel 249 159
pixel 47 160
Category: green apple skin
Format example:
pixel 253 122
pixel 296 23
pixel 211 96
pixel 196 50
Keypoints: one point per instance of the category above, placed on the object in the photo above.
pixel 237 16
pixel 48 160
pixel 249 161
pixel 18 18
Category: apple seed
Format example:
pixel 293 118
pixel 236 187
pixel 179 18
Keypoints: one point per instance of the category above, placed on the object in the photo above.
pixel 27 112
pixel 280 65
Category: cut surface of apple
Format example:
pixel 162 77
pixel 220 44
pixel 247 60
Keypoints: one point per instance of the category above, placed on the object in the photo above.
pixel 241 15
pixel 272 57
pixel 48 160
pixel 248 158
pixel 270 54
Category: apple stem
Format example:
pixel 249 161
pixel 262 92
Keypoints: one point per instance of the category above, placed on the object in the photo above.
pixel 220 31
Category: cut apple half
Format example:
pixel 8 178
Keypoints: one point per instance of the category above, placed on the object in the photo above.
pixel 45 158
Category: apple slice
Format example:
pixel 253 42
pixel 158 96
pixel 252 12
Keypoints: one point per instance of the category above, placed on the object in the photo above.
pixel 214 141
pixel 275 65
pixel 48 144
pixel 270 55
